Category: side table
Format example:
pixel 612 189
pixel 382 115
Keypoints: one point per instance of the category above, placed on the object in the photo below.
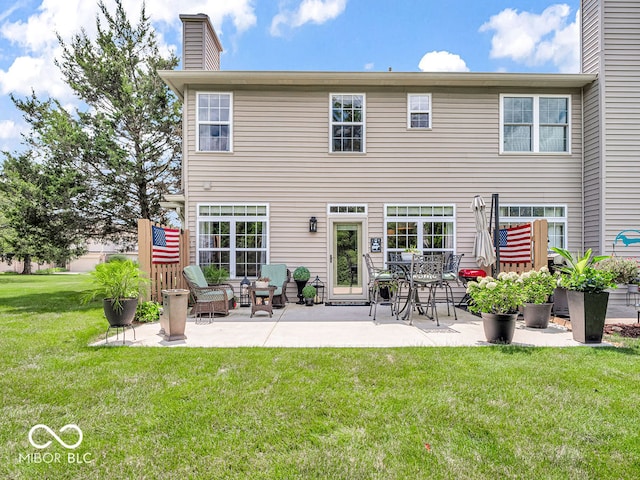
pixel 262 299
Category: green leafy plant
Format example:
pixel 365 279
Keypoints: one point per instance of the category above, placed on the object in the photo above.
pixel 624 269
pixel 309 291
pixel 117 280
pixel 538 285
pixel 496 295
pixel 215 275
pixel 147 312
pixel 302 274
pixel 580 274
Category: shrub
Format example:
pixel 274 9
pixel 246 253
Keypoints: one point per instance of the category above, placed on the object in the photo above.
pixel 309 291
pixel 302 274
pixel 147 312
pixel 538 285
pixel 625 270
pixel 215 275
pixel 496 295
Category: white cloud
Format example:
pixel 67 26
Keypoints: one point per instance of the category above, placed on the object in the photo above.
pixel 369 66
pixel 9 129
pixel 442 62
pixel 314 11
pixel 536 39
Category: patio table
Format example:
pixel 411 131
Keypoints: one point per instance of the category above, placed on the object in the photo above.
pixel 406 270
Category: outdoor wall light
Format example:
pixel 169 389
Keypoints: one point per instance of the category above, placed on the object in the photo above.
pixel 313 224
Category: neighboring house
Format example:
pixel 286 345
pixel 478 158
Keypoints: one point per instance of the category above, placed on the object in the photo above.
pixel 399 156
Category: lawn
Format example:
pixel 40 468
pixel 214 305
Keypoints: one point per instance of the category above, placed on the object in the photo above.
pixel 397 413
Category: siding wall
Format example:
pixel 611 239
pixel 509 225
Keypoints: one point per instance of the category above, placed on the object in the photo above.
pixel 593 148
pixel 201 49
pixel 280 157
pixel 621 72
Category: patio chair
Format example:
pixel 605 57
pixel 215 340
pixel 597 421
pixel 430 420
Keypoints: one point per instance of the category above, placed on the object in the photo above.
pixel 380 281
pixel 426 272
pixel 210 299
pixel 450 274
pixel 279 275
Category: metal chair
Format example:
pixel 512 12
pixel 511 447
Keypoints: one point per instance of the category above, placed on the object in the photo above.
pixel 450 268
pixel 426 272
pixel 379 280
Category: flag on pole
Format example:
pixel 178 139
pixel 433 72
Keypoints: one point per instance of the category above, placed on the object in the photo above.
pixel 515 244
pixel 166 245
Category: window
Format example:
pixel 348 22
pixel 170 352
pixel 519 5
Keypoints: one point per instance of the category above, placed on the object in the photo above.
pixel 214 122
pixel 535 123
pixel 347 209
pixel 347 123
pixel 556 216
pixel 430 228
pixel 419 111
pixel 233 237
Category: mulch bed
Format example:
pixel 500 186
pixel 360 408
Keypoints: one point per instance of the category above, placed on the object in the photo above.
pixel 631 330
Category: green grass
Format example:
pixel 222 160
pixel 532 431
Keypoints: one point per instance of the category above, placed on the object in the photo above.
pixel 176 413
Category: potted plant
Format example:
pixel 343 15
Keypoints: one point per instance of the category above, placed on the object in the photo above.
pixel 408 253
pixel 301 276
pixel 537 287
pixel 497 301
pixel 120 283
pixel 262 282
pixel 586 294
pixel 624 269
pixel 309 294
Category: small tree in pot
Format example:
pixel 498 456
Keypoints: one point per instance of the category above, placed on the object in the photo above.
pixel 120 282
pixel 301 275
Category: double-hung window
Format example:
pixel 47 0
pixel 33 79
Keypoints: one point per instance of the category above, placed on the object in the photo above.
pixel 214 117
pixel 535 123
pixel 233 237
pixel 429 228
pixel 347 123
pixel 419 111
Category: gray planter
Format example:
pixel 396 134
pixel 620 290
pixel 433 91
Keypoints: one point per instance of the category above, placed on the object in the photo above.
pixel 499 327
pixel 122 317
pixel 536 315
pixel 587 312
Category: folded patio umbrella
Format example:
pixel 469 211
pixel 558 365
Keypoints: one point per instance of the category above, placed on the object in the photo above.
pixel 483 249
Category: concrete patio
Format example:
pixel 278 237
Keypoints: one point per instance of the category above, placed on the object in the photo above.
pixel 349 326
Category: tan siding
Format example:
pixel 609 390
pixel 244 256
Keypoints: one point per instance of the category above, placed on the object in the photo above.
pixel 193 45
pixel 622 128
pixel 590 36
pixel 281 158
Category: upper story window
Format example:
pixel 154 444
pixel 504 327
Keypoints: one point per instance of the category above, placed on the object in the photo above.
pixel 347 123
pixel 535 123
pixel 214 122
pixel 419 110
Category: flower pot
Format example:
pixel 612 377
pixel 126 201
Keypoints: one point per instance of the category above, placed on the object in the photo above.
pixel 499 327
pixel 587 312
pixel 536 315
pixel 406 256
pixel 300 284
pixel 120 317
pixel 560 305
pixel 308 302
pixel 262 284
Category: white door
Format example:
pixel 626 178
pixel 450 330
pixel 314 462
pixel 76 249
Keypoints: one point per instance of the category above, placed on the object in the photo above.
pixel 346 274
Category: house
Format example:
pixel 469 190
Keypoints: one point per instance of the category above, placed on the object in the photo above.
pixel 317 168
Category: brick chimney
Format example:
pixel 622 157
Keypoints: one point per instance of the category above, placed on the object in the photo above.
pixel 201 47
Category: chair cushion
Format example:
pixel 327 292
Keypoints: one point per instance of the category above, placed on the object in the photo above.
pixel 277 274
pixel 194 275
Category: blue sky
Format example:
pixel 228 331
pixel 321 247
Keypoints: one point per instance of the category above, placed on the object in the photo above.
pixel 347 35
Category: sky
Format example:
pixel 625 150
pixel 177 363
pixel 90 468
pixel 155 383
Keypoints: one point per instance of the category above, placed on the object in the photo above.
pixel 323 35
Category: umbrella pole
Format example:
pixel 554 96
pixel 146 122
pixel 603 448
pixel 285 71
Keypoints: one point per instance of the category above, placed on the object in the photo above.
pixel 495 210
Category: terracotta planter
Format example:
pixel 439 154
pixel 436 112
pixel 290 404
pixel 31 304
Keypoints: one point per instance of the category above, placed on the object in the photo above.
pixel 499 327
pixel 587 312
pixel 536 315
pixel 120 317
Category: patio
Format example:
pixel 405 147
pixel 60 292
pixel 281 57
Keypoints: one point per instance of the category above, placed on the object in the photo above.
pixel 349 326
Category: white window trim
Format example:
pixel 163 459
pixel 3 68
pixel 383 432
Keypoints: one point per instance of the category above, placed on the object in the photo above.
pixel 363 123
pixel 232 219
pixel 531 219
pixel 536 123
pixel 421 219
pixel 409 111
pixel 347 214
pixel 230 122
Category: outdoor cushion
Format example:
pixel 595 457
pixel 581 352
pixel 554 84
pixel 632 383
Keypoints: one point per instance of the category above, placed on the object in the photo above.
pixel 196 277
pixel 277 274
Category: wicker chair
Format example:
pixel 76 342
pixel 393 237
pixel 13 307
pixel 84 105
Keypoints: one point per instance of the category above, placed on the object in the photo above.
pixel 279 275
pixel 210 299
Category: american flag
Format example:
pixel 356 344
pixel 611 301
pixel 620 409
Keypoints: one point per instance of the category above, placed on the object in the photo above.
pixel 166 245
pixel 515 243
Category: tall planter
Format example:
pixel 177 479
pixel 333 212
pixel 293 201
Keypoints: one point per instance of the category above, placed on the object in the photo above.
pixel 499 327
pixel 536 315
pixel 300 284
pixel 120 317
pixel 587 312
